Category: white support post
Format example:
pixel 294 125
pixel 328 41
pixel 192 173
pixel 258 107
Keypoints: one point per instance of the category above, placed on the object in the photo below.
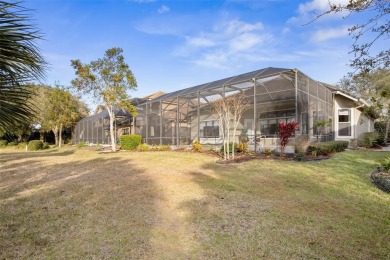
pixel 254 114
pixel 177 123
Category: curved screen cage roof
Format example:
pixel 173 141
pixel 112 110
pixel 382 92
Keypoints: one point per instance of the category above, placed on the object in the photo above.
pixel 229 84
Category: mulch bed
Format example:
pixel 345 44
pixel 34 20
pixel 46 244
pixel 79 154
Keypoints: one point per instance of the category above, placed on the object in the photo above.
pixel 253 156
pixel 381 179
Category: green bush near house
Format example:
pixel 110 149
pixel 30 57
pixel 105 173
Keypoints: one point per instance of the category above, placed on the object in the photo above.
pixel 368 139
pixel 386 164
pixel 326 148
pixel 197 146
pixel 35 145
pixel 143 147
pixel 12 143
pixel 3 143
pixel 130 142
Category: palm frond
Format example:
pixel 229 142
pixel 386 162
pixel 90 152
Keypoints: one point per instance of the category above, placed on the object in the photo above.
pixel 20 63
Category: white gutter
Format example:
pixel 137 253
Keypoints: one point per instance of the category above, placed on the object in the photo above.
pixel 347 96
pixel 364 103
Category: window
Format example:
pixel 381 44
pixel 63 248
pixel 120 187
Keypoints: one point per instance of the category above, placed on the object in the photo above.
pixel 269 121
pixel 209 129
pixel 344 122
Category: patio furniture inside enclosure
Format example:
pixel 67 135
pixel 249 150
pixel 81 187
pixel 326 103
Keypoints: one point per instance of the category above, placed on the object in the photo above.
pixel 274 94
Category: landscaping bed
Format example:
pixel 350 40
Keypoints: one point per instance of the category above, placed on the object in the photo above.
pixel 381 179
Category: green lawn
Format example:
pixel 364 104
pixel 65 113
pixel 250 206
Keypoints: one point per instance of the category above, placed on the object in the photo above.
pixel 173 205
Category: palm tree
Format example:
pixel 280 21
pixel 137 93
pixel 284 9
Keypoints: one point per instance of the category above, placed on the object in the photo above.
pixel 20 63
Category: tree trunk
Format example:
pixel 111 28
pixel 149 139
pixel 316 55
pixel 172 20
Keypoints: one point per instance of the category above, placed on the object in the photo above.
pixel 55 131
pixel 42 135
pixel 387 131
pixel 60 136
pixel 112 118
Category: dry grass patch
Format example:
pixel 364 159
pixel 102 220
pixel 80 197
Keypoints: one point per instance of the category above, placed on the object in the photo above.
pixel 169 205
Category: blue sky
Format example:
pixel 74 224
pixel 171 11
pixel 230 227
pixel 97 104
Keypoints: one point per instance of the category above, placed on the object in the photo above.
pixel 170 45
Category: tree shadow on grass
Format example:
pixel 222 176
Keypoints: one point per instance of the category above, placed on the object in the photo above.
pixel 101 208
pixel 12 155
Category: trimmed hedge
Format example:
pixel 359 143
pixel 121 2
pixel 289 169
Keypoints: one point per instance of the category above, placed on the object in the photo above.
pixel 35 145
pixel 130 142
pixel 326 148
pixel 3 143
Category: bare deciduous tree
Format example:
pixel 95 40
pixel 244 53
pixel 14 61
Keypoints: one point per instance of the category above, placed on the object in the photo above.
pixel 229 110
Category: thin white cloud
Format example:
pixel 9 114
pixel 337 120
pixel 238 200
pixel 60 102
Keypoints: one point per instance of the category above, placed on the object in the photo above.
pixel 319 5
pixel 328 34
pixel 237 27
pixel 227 41
pixel 310 10
pixel 218 59
pixel 200 41
pixel 247 41
pixel 163 9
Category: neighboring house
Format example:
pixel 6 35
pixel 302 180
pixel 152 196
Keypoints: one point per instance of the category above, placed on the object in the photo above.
pixel 275 95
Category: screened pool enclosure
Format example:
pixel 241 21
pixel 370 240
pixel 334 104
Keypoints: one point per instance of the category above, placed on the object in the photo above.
pixel 181 117
pixel 274 94
pixel 95 129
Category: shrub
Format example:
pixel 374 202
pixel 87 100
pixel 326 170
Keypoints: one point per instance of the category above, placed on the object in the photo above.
pixel 3 143
pixel 46 145
pixel 35 145
pixel 230 148
pixel 301 144
pixel 267 151
pixel 22 146
pixel 143 147
pixel 130 142
pixel 326 148
pixel 368 139
pixel 81 144
pixel 386 164
pixel 12 143
pixel 197 146
pixel 286 130
pixel 242 147
pixel 380 127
